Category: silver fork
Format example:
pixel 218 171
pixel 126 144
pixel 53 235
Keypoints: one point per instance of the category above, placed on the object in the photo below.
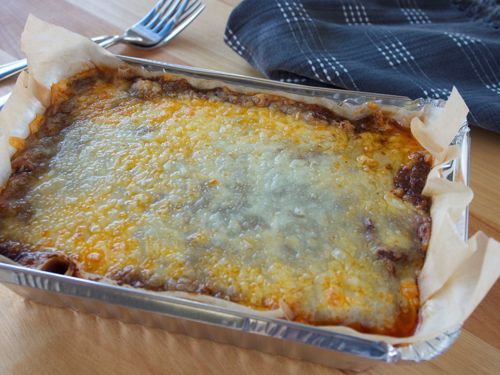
pixel 163 23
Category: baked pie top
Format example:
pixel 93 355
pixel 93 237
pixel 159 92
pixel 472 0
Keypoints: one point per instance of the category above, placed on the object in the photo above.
pixel 254 198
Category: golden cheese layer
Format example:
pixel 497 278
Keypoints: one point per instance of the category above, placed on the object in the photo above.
pixel 180 191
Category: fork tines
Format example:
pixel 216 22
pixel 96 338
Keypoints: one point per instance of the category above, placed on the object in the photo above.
pixel 166 14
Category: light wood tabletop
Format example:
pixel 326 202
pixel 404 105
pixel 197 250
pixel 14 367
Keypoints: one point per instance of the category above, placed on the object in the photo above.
pixel 36 339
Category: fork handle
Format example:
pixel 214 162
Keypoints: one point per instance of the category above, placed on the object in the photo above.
pixel 108 41
pixel 14 67
pixel 9 69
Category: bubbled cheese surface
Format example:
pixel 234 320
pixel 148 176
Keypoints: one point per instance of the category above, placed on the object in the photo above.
pixel 254 205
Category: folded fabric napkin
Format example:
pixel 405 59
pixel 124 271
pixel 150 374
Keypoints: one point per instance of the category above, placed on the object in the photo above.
pixel 414 48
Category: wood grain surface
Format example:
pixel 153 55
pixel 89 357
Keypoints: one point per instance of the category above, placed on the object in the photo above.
pixel 37 339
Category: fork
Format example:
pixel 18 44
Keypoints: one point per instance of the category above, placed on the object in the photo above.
pixel 163 23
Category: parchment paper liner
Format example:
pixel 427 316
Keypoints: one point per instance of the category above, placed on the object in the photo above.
pixel 456 275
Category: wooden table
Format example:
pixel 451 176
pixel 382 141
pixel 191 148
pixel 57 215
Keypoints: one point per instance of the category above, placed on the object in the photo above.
pixel 36 339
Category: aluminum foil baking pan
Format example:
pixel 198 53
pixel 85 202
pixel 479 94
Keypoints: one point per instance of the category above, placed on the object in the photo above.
pixel 290 339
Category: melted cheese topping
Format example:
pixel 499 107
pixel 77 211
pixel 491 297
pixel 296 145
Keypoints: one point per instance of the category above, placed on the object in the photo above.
pixel 247 203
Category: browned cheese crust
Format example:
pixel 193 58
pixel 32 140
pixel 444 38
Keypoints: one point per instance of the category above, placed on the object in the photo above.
pixel 33 159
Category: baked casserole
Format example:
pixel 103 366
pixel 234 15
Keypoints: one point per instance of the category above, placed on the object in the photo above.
pixel 253 198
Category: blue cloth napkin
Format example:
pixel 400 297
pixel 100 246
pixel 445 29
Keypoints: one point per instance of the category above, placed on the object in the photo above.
pixel 414 48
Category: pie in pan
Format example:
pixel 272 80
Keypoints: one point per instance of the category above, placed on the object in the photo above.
pixel 263 200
